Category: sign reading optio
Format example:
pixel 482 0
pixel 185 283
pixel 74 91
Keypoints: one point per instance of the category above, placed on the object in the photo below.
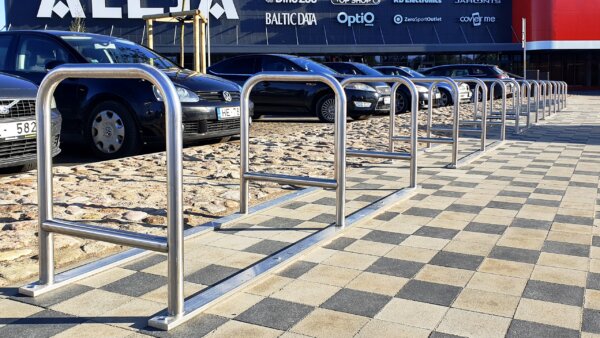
pixel 366 19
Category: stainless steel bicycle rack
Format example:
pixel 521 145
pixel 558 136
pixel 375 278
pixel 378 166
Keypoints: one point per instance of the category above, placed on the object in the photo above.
pixel 555 96
pixel 515 112
pixel 535 85
pixel 172 245
pixel 339 181
pixel 565 94
pixel 525 95
pixel 454 140
pixel 493 117
pixel 411 156
pixel 480 87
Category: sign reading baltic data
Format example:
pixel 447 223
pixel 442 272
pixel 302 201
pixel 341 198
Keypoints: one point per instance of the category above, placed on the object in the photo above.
pixel 257 24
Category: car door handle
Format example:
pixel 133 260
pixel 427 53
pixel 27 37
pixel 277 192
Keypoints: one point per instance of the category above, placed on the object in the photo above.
pixel 311 83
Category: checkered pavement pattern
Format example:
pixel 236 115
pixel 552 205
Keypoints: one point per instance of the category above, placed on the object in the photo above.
pixel 507 246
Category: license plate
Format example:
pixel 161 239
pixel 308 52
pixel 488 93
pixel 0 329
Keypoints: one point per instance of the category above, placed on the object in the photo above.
pixel 228 112
pixel 387 100
pixel 14 130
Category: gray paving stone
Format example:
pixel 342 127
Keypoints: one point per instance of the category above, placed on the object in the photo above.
pixel 511 193
pixel 596 241
pixel 211 274
pixel 549 191
pixel 280 222
pixel 591 321
pixel 385 237
pixel 275 313
pixel 419 197
pixel 196 327
pixel 297 269
pixel 325 201
pixel 567 248
pixel 462 184
pixel 515 254
pixel 531 224
pixel 46 323
pixel 294 205
pixel 145 263
pixel 555 293
pixel 395 267
pixel 434 232
pixel 423 212
pixel 340 243
pixel 447 193
pixel 545 203
pixel 457 260
pixel 593 281
pixel 386 216
pixel 267 247
pixel 525 329
pixel 471 209
pixel 436 334
pixel 504 205
pixel 356 302
pixel 367 198
pixel 574 220
pixel 324 218
pixel 366 186
pixel 493 229
pixel 138 284
pixel 433 293
pixel 64 293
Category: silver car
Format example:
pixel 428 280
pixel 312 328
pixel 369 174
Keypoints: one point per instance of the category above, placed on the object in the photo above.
pixel 18 126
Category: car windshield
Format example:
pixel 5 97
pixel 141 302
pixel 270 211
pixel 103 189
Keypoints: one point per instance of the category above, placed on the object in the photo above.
pixel 413 73
pixel 314 67
pixel 112 50
pixel 366 70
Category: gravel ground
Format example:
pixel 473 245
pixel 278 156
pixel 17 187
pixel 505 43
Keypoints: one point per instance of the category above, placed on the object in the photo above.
pixel 130 193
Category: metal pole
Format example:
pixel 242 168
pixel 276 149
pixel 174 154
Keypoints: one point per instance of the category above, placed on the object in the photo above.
pixel 150 25
pixel 429 112
pixel 340 152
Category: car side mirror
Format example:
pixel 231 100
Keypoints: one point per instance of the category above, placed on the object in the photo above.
pixel 53 64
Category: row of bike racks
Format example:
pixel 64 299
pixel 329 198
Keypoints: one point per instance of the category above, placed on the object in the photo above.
pixel 179 310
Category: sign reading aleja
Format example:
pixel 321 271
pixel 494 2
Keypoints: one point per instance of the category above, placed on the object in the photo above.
pixel 135 10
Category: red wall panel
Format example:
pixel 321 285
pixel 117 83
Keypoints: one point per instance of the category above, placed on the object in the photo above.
pixel 558 20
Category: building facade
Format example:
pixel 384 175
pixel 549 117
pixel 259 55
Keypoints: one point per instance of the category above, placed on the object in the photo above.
pixel 416 33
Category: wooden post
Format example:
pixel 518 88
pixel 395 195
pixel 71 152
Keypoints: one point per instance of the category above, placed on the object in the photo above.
pixel 150 27
pixel 202 44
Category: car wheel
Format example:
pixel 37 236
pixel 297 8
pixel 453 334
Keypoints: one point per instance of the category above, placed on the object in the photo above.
pixel 225 139
pixel 111 131
pixel 445 98
pixel 325 109
pixel 28 167
pixel 402 103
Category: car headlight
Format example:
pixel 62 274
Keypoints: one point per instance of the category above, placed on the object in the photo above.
pixel 185 95
pixel 385 90
pixel 422 89
pixel 360 86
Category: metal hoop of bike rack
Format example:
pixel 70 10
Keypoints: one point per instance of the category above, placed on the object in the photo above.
pixel 556 97
pixel 480 87
pixel 549 91
pixel 411 156
pixel 454 140
pixel 565 93
pixel 339 181
pixel 515 113
pixel 172 245
pixel 525 95
pixel 491 114
pixel 535 85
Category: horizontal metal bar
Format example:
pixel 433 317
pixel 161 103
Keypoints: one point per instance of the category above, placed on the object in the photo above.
pixel 462 130
pixel 121 237
pixel 378 154
pixel 425 139
pixel 474 155
pixel 296 180
pixel 253 274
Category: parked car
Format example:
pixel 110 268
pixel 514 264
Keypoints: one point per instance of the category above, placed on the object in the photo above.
pixel 296 98
pixel 18 125
pixel 115 117
pixel 464 93
pixel 469 70
pixel 402 98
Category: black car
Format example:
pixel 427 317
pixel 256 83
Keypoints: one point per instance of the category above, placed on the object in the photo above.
pixel 116 117
pixel 444 89
pixel 402 98
pixel 18 125
pixel 469 70
pixel 296 98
